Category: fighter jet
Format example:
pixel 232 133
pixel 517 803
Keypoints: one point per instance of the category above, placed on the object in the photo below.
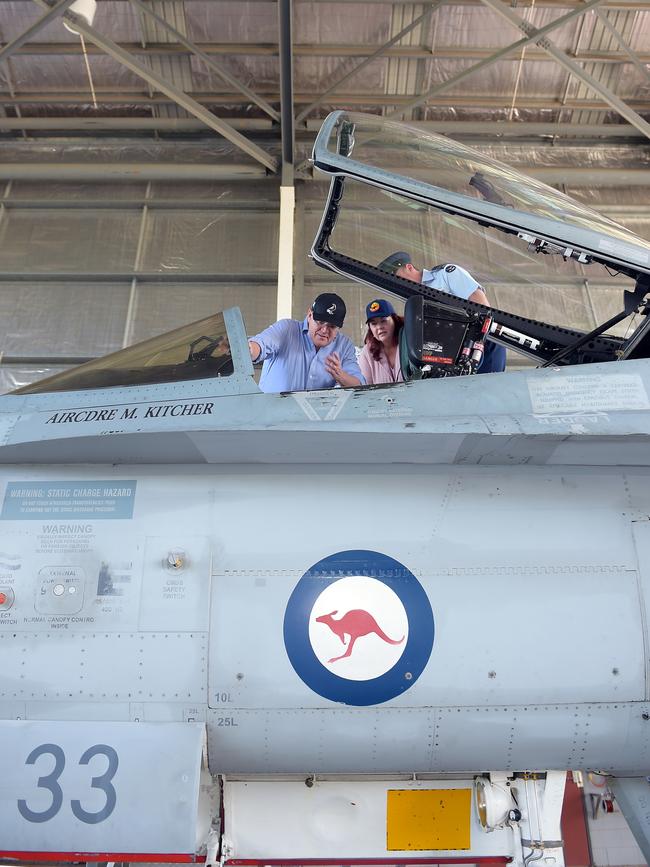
pixel 374 625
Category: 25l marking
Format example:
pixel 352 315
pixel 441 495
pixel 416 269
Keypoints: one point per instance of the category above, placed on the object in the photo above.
pixel 51 783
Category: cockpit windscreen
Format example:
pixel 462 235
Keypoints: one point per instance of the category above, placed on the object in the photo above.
pixel 196 351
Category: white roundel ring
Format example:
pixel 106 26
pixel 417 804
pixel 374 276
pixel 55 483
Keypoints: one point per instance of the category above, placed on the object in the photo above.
pixel 358 628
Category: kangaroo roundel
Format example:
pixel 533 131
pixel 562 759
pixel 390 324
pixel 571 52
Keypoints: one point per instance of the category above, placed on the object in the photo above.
pixel 358 628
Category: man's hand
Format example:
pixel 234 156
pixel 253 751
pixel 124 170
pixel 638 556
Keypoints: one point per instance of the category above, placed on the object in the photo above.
pixel 332 365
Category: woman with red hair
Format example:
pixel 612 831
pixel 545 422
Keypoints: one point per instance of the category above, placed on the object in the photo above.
pixel 379 359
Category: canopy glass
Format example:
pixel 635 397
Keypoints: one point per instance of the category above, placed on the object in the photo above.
pixel 197 351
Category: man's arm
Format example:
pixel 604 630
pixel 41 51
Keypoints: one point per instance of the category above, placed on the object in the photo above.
pixel 479 297
pixel 268 342
pixel 461 283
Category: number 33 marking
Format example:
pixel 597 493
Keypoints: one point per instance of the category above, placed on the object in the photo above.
pixel 51 783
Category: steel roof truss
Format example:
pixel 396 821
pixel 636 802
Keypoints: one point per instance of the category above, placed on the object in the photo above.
pixel 54 12
pixel 634 57
pixel 266 107
pixel 177 95
pixel 322 49
pixel 533 35
pixel 377 53
pixel 582 75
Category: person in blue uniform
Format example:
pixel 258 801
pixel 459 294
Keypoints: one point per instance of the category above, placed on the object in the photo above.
pixel 307 355
pixel 456 281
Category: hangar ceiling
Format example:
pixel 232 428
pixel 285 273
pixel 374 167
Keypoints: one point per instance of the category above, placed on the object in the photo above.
pixel 243 75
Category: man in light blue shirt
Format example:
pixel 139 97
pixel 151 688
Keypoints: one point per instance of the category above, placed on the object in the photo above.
pixel 447 278
pixel 307 355
pixel 455 281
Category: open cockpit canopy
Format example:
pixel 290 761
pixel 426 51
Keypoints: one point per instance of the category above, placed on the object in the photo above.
pixel 397 187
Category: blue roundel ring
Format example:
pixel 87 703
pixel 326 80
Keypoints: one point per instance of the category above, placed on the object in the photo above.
pixel 418 647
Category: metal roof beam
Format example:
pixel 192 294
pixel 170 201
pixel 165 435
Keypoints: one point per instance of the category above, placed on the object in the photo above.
pixel 209 62
pixel 178 96
pixel 324 49
pixel 377 53
pixel 127 124
pixel 242 279
pixel 285 31
pixel 564 60
pixel 79 96
pixel 453 128
pixel 637 211
pixel 521 4
pixel 148 171
pixel 634 57
pixel 256 206
pixel 12 47
pixel 246 280
pixel 460 128
pixel 533 35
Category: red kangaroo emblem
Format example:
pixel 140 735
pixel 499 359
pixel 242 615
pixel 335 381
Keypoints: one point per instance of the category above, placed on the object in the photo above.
pixel 356 624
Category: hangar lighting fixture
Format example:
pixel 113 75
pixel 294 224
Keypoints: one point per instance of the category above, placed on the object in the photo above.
pixel 85 12
pixel 85 9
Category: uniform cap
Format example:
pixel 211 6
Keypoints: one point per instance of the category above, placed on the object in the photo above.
pixel 394 261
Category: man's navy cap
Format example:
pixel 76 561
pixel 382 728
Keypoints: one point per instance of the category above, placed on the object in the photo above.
pixel 394 261
pixel 329 307
pixel 379 308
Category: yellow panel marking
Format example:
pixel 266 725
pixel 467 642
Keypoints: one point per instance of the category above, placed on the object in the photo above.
pixel 428 819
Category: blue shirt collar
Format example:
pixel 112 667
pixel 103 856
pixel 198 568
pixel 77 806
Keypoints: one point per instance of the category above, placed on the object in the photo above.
pixel 309 343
